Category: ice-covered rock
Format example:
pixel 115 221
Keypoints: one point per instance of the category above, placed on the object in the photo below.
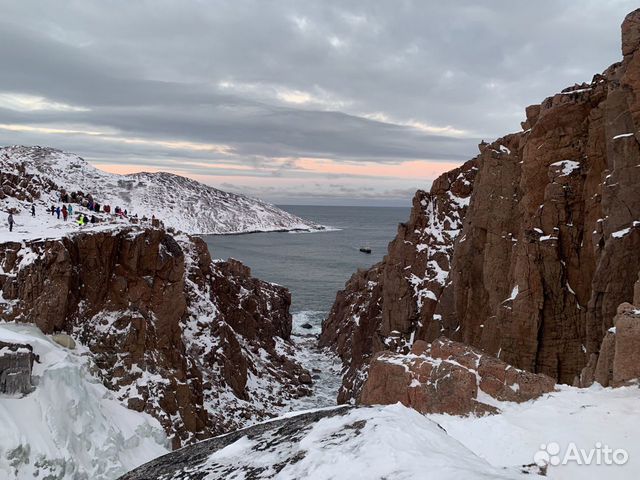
pixel 70 426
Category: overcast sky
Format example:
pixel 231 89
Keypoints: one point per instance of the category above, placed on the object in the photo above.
pixel 348 102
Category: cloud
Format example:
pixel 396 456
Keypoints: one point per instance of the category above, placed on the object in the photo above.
pixel 228 86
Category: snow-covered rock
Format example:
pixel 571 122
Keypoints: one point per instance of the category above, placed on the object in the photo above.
pixel 395 442
pixel 180 202
pixel 199 344
pixel 70 426
pixel 391 442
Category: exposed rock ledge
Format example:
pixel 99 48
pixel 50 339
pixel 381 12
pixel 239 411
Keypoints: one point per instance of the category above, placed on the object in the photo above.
pixel 449 377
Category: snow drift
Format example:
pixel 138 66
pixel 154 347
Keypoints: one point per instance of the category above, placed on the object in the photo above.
pixel 70 426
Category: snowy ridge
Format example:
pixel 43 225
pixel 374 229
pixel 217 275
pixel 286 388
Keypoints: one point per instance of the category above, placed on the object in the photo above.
pixel 396 442
pixel 391 442
pixel 180 202
pixel 70 426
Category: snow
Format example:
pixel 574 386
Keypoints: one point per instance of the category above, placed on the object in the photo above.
pixel 514 294
pixel 46 226
pixel 579 90
pixel 623 135
pixel 390 442
pixel 566 166
pixel 625 231
pixel 180 202
pixel 70 426
pixel 583 416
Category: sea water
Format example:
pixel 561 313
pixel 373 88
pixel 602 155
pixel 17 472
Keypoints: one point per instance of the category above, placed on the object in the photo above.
pixel 314 266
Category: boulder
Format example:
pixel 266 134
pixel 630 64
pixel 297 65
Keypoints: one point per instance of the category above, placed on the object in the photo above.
pixel 618 361
pixel 626 359
pixel 448 377
pixel 64 340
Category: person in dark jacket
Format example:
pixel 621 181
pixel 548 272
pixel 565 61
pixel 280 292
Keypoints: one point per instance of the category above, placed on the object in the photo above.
pixel 33 210
pixel 11 222
pixel 58 212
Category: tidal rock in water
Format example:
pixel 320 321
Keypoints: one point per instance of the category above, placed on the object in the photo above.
pixel 532 258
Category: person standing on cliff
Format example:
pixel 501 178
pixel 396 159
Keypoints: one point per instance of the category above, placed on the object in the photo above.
pixel 10 221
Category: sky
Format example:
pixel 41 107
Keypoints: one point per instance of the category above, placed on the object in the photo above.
pixel 297 102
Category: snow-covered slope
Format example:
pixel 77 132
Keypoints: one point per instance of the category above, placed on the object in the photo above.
pixel 396 442
pixel 376 443
pixel 179 202
pixel 589 419
pixel 70 426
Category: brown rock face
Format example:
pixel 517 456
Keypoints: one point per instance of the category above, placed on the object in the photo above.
pixel 446 377
pixel 16 364
pixel 202 346
pixel 618 362
pixel 22 185
pixel 547 249
pixel 384 307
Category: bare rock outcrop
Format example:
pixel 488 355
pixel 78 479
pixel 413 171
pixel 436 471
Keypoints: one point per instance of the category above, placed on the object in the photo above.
pixel 16 363
pixel 618 362
pixel 546 250
pixel 382 308
pixel 201 345
pixel 447 377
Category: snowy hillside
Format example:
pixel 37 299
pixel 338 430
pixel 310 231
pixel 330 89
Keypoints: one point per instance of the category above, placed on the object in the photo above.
pixel 179 202
pixel 70 426
pixel 395 442
pixel 392 442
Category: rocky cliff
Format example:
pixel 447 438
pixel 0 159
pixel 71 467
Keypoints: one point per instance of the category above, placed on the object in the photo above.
pixel 201 345
pixel 540 245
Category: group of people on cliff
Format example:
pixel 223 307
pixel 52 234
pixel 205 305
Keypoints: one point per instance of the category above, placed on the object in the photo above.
pixel 66 211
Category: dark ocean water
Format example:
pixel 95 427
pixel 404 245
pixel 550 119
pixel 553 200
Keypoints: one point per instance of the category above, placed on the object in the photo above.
pixel 314 266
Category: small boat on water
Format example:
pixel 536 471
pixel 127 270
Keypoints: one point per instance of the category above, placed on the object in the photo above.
pixel 365 249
